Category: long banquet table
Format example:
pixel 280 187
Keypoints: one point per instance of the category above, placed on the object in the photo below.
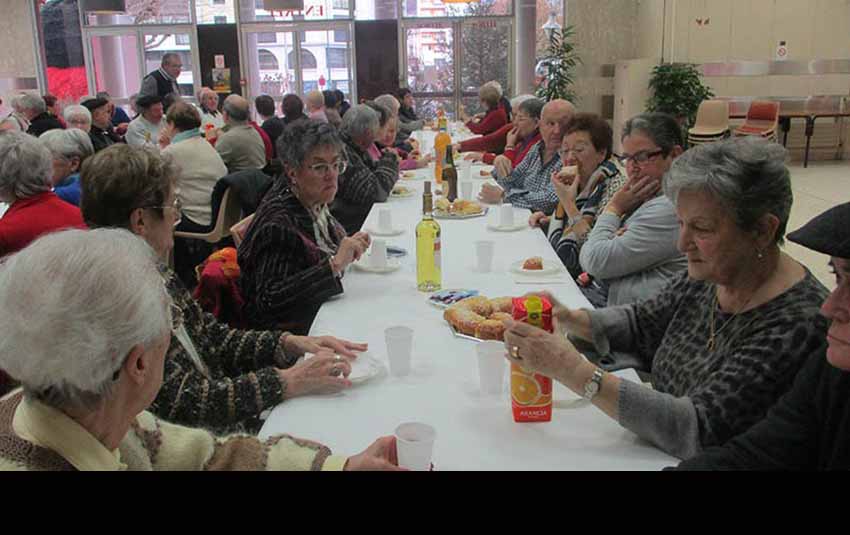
pixel 474 432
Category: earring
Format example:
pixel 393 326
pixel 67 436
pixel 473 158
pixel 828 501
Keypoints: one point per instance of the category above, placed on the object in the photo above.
pixel 761 255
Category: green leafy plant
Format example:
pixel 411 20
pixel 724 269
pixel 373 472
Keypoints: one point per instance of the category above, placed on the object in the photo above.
pixel 560 63
pixel 678 90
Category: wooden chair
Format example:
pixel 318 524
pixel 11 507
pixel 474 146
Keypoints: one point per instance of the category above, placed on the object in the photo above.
pixel 762 120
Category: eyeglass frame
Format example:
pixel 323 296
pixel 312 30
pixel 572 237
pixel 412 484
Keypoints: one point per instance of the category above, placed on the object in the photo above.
pixel 644 155
pixel 177 206
pixel 340 164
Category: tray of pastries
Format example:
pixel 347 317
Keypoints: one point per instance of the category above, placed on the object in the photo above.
pixel 460 209
pixel 479 318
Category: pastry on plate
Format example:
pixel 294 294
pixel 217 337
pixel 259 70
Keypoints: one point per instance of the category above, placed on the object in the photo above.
pixel 490 330
pixel 443 204
pixel 463 320
pixel 503 304
pixel 500 316
pixel 535 263
pixel 401 190
pixel 479 304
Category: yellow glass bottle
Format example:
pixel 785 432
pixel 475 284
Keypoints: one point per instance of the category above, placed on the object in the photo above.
pixel 442 144
pixel 429 275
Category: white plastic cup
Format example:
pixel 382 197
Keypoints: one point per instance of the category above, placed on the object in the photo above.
pixel 399 347
pixel 378 258
pixel 385 220
pixel 465 169
pixel 506 216
pixel 415 446
pixel 466 190
pixel 491 366
pixel 484 251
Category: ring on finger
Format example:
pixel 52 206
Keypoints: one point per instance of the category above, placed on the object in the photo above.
pixel 335 372
pixel 515 353
pixel 337 358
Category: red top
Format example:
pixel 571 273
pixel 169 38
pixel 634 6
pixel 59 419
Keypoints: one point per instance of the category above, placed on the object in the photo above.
pixel 491 122
pixel 518 153
pixel 491 144
pixel 267 141
pixel 28 219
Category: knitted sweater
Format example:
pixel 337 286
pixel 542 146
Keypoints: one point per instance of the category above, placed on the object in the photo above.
pixel 233 379
pixel 241 148
pixel 364 182
pixel 703 398
pixel 285 275
pixel 36 437
pixel 809 429
pixel 200 169
pixel 492 121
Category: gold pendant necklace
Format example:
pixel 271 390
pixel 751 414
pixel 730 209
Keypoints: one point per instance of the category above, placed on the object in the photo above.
pixel 711 345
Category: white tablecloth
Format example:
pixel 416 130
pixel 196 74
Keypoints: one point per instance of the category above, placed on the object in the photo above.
pixel 474 432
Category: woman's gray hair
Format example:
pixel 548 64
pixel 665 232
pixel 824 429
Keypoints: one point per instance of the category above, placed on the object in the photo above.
pixel 68 144
pixel 519 99
pixel 76 110
pixel 533 107
pixel 26 166
pixel 69 318
pixel 28 101
pixel 746 175
pixel 661 128
pixel 302 137
pixel 390 102
pixel 361 120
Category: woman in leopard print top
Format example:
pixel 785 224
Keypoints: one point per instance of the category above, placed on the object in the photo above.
pixel 724 342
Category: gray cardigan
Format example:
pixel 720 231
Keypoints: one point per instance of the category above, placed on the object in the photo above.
pixel 641 262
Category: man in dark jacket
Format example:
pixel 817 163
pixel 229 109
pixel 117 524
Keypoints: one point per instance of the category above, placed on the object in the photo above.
pixel 809 428
pixel 34 109
pixel 163 81
pixel 271 123
pixel 102 134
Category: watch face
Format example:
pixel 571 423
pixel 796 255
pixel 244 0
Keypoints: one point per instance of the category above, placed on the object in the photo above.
pixel 592 388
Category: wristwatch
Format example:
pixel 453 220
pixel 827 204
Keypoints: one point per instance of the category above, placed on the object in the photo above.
pixel 591 388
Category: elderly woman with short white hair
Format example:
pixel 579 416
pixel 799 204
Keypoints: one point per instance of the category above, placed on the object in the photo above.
pixel 83 401
pixel 69 148
pixel 723 341
pixel 78 117
pixel 211 118
pixel 26 170
pixel 364 181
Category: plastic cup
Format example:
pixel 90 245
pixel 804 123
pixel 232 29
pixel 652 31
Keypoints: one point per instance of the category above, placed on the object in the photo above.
pixel 465 169
pixel 466 190
pixel 415 446
pixel 506 216
pixel 491 366
pixel 385 220
pixel 378 258
pixel 484 251
pixel 399 347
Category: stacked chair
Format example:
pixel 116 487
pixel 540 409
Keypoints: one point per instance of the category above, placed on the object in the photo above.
pixel 712 123
pixel 762 120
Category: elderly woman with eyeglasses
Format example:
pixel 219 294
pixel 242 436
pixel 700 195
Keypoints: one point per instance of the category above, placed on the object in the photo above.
pixel 83 403
pixel 586 182
pixel 724 340
pixel 295 251
pixel 26 172
pixel 364 181
pixel 631 251
pixel 216 377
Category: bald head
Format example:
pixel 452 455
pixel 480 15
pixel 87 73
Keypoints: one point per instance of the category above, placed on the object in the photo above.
pixel 315 101
pixel 554 119
pixel 236 110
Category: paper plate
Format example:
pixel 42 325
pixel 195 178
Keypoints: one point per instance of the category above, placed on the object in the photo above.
pixel 376 232
pixel 549 269
pixel 393 264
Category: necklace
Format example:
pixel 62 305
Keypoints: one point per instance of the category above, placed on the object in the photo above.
pixel 712 339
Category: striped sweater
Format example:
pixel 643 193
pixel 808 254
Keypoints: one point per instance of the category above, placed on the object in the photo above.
pixel 364 182
pixel 285 275
pixel 234 378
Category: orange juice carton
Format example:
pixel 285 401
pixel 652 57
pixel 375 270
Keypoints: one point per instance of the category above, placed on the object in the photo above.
pixel 531 393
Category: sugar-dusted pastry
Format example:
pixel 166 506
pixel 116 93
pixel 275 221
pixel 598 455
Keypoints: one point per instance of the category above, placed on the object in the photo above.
pixel 479 304
pixel 443 204
pixel 463 320
pixel 534 263
pixel 500 316
pixel 490 330
pixel 503 304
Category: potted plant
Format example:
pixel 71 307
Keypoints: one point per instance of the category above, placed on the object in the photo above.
pixel 558 67
pixel 677 89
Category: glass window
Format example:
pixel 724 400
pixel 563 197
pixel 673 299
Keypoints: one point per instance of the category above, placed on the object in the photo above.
pixel 375 9
pixel 337 58
pixel 116 64
pixel 145 12
pixel 269 37
pixel 310 86
pixel 63 48
pixel 485 45
pixel 308 60
pixel 430 59
pixel 313 10
pixel 547 10
pixel 181 39
pixel 268 61
pixel 215 11
pixel 436 8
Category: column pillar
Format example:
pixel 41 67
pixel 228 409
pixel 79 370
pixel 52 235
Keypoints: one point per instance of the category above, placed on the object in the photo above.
pixel 525 49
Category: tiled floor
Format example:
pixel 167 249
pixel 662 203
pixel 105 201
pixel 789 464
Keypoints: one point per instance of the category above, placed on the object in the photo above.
pixel 816 190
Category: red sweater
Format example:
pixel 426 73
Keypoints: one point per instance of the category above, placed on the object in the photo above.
pixel 490 145
pixel 518 153
pixel 491 122
pixel 28 219
pixel 267 141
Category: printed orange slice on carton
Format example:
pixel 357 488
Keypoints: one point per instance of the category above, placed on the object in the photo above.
pixel 524 389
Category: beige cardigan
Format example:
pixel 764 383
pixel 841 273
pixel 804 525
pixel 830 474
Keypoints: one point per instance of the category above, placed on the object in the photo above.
pixel 200 169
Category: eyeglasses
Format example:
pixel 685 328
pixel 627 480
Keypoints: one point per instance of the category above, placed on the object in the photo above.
pixel 177 206
pixel 641 157
pixel 323 168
